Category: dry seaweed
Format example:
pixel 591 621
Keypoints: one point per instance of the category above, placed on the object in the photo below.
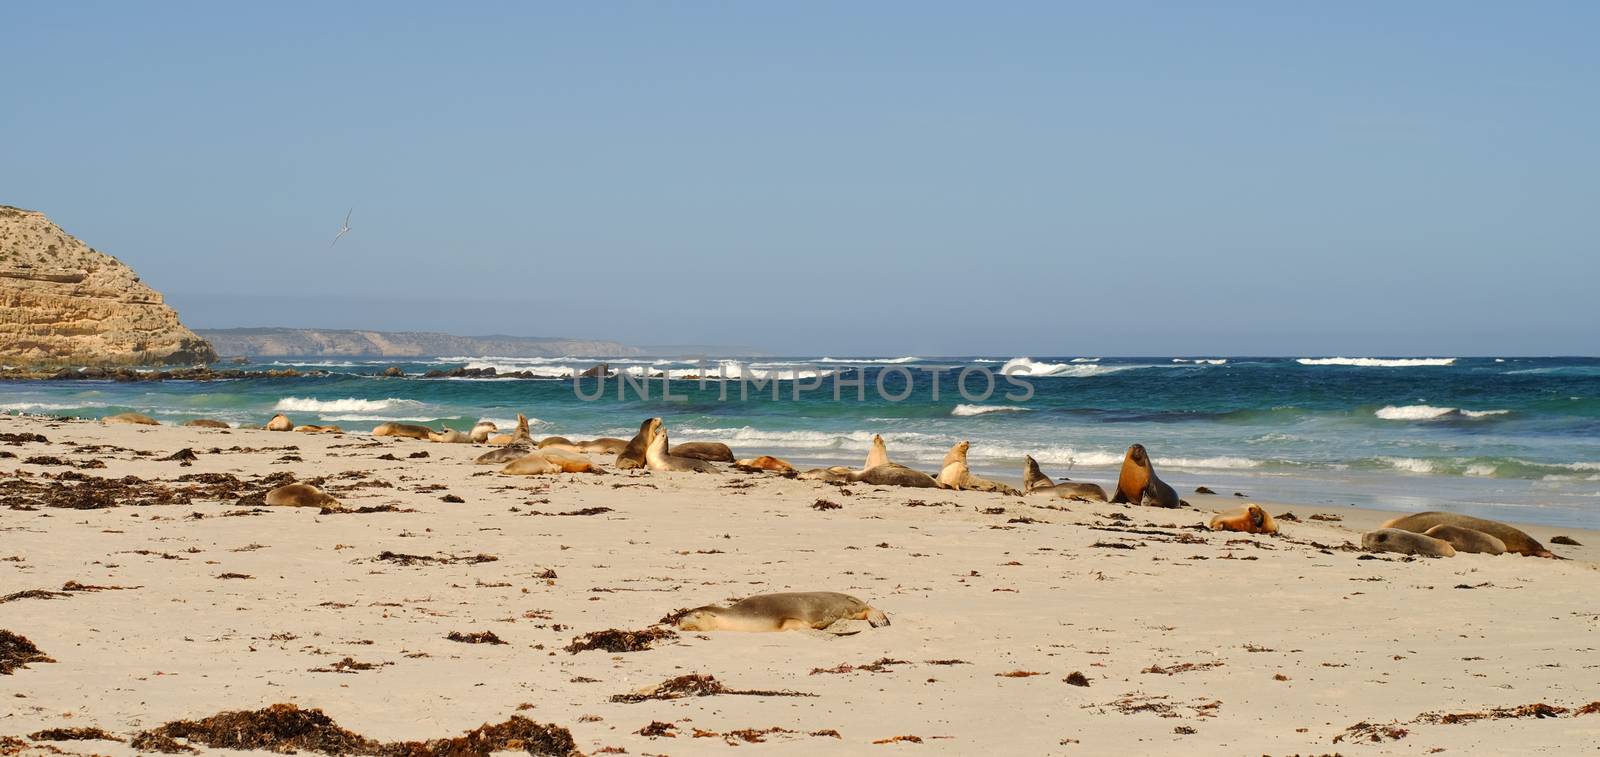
pixel 73 734
pixel 17 652
pixel 33 594
pixel 584 511
pixel 476 637
pixel 617 640
pixel 696 685
pixel 400 558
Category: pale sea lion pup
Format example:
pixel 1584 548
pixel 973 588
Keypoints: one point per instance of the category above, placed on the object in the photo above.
pixel 1035 482
pixel 632 456
pixel 1515 539
pixel 657 458
pixel 1250 519
pixel 788 611
pixel 956 475
pixel 300 495
pixel 450 436
pixel 482 430
pixel 135 418
pixel 205 423
pixel 1137 482
pixel 406 430
pixel 280 422
pixel 711 452
pixel 1406 543
pixel 1467 539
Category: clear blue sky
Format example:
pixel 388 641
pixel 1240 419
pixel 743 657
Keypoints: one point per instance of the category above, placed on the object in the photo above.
pixel 844 178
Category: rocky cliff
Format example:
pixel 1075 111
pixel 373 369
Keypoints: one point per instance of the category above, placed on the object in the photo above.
pixel 284 342
pixel 63 303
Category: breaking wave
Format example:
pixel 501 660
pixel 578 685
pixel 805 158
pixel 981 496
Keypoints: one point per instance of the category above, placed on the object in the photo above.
pixel 1375 362
pixel 346 405
pixel 1429 412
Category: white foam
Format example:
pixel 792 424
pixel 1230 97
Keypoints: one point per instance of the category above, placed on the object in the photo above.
pixel 1374 362
pixel 24 407
pixel 865 360
pixel 1429 412
pixel 1479 469
pixel 1021 366
pixel 346 405
pixel 1202 361
pixel 1085 360
pixel 969 410
pixel 1409 464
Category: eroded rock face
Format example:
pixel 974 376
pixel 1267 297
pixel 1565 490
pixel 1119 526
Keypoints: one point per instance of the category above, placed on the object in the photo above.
pixel 63 303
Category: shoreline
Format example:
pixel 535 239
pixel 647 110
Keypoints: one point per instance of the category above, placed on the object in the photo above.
pixel 1191 641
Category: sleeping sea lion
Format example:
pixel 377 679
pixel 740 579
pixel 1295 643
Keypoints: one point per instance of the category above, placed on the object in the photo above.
pixel 300 495
pixel 519 444
pixel 309 429
pixel 890 474
pixel 711 452
pixel 788 611
pixel 450 436
pixel 1035 482
pixel 554 440
pixel 764 462
pixel 481 430
pixel 569 462
pixel 407 430
pixel 657 457
pixel 1406 543
pixel 1515 539
pixel 1250 519
pixel 206 423
pixel 604 445
pixel 1137 483
pixel 1467 539
pixel 956 475
pixel 135 418
pixel 280 422
pixel 632 455
pixel 530 464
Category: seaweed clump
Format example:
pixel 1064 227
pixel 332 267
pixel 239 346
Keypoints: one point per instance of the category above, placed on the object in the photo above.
pixel 617 640
pixel 286 729
pixel 17 652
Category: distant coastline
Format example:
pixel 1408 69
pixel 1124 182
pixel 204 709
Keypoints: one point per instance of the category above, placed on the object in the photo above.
pixel 305 342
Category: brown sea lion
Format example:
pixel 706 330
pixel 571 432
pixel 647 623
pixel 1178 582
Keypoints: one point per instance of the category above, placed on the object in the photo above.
pixel 481 431
pixel 309 429
pixel 1137 483
pixel 406 430
pixel 604 445
pixel 956 475
pixel 787 611
pixel 711 452
pixel 518 444
pixel 632 456
pixel 205 423
pixel 139 419
pixel 551 441
pixel 890 474
pixel 1406 543
pixel 531 464
pixel 280 422
pixel 300 495
pixel 569 462
pixel 878 455
pixel 764 463
pixel 1467 539
pixel 1035 482
pixel 658 459
pixel 1250 519
pixel 1515 539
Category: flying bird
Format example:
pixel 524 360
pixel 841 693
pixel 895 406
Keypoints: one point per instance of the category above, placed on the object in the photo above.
pixel 343 230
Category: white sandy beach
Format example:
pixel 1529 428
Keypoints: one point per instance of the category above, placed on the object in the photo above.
pixel 1191 642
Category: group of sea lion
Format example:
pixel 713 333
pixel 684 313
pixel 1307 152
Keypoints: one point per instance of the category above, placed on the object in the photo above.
pixel 1437 534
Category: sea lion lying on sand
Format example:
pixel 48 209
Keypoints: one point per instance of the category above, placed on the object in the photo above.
pixel 788 611
pixel 450 436
pixel 764 463
pixel 300 495
pixel 1406 543
pixel 632 454
pixel 135 418
pixel 1515 539
pixel 205 423
pixel 658 459
pixel 956 475
pixel 711 452
pixel 530 464
pixel 1035 482
pixel 308 429
pixel 1137 482
pixel 879 471
pixel 1467 539
pixel 280 422
pixel 551 441
pixel 481 431
pixel 519 444
pixel 1250 519
pixel 407 430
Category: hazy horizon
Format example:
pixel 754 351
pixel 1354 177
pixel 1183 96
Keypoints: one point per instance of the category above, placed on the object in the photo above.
pixel 832 179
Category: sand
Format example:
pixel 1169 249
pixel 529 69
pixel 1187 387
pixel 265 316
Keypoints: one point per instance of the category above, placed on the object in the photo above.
pixel 1190 642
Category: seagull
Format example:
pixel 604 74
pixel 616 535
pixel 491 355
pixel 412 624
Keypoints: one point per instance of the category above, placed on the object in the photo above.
pixel 343 230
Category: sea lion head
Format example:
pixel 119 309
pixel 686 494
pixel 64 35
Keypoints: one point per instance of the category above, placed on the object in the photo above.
pixel 699 619
pixel 1138 456
pixel 1258 517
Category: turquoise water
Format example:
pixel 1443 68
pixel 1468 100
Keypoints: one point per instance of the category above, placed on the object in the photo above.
pixel 1512 438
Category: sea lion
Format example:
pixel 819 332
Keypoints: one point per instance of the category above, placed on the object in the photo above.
pixel 658 459
pixel 787 611
pixel 1035 482
pixel 308 429
pixel 890 474
pixel 711 452
pixel 569 462
pixel 878 455
pixel 632 455
pixel 300 495
pixel 605 445
pixel 554 440
pixel 1467 539
pixel 1406 543
pixel 407 430
pixel 1250 519
pixel 956 475
pixel 764 462
pixel 481 431
pixel 450 436
pixel 517 445
pixel 205 423
pixel 530 464
pixel 1137 483
pixel 135 418
pixel 1515 540
pixel 280 422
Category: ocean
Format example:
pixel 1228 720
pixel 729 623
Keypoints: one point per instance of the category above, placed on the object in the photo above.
pixel 1511 438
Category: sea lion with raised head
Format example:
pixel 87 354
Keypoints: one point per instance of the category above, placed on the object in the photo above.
pixel 764 463
pixel 300 495
pixel 450 436
pixel 1467 539
pixel 405 430
pixel 1137 482
pixel 632 455
pixel 1036 482
pixel 1250 519
pixel 310 429
pixel 519 444
pixel 878 455
pixel 787 611
pixel 658 459
pixel 139 419
pixel 711 452
pixel 481 431
pixel 956 475
pixel 1406 543
pixel 280 422
pixel 1515 539
pixel 205 423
